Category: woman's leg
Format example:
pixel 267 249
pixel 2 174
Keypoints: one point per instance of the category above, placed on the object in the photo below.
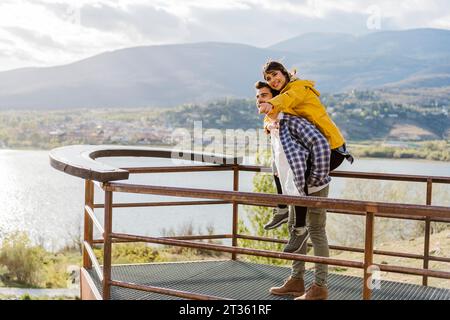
pixel 300 216
pixel 336 159
pixel 279 190
pixel 280 213
pixel 300 212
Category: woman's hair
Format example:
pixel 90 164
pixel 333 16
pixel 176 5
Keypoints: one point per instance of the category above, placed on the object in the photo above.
pixel 263 84
pixel 277 66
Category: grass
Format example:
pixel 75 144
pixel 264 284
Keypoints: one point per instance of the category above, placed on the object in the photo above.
pixel 29 297
pixel 437 150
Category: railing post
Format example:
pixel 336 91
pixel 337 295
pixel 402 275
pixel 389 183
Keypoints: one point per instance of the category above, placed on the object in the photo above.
pixel 107 246
pixel 88 225
pixel 426 244
pixel 235 209
pixel 368 255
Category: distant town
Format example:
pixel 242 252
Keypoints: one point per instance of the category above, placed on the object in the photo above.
pixel 372 124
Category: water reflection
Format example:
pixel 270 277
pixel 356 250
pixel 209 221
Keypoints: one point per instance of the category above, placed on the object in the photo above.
pixel 48 204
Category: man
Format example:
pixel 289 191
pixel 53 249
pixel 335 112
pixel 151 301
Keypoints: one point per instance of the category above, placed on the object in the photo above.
pixel 280 214
pixel 302 142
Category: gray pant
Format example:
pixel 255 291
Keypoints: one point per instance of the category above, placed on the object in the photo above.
pixel 315 221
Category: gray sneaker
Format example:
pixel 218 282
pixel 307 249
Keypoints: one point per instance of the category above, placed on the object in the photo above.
pixel 297 239
pixel 279 217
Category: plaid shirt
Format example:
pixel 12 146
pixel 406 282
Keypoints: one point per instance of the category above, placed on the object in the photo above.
pixel 301 140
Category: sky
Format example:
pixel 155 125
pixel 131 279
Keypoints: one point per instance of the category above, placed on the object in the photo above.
pixel 54 32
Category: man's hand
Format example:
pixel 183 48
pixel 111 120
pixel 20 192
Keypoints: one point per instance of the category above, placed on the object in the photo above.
pixel 265 107
pixel 272 125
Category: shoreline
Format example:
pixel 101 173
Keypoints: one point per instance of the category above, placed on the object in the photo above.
pixel 253 154
pixel 33 292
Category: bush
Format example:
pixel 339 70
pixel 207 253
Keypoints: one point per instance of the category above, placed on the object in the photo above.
pixel 26 265
pixel 430 150
pixel 25 296
pixel 22 260
pixel 188 230
pixel 124 253
pixel 406 154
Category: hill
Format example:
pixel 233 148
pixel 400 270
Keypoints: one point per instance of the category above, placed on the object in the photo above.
pixel 361 115
pixel 169 75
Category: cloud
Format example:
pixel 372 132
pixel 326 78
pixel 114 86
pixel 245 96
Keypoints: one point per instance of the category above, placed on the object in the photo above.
pixel 34 37
pixel 138 21
pixel 260 27
pixel 61 31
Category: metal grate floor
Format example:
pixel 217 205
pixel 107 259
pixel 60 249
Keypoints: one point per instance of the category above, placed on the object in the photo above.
pixel 247 281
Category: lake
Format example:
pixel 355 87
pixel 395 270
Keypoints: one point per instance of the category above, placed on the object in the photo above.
pixel 48 204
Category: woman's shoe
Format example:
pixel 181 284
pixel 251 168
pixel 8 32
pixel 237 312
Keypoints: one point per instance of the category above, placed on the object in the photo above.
pixel 280 216
pixel 297 239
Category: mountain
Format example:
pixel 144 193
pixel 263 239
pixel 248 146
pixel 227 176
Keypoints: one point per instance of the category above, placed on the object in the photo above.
pixel 143 76
pixel 314 42
pixel 169 75
pixel 413 43
pixel 343 62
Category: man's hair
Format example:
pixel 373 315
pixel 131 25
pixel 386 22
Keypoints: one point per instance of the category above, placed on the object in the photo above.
pixel 263 84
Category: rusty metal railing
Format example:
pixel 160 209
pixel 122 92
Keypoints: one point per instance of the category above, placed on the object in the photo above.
pixel 370 209
pixel 427 213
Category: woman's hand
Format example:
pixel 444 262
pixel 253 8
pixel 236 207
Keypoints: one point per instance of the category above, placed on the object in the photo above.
pixel 265 107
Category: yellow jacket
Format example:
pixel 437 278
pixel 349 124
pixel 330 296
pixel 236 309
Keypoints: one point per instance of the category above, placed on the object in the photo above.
pixel 300 98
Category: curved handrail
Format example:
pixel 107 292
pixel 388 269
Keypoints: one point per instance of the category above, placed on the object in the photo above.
pixel 82 160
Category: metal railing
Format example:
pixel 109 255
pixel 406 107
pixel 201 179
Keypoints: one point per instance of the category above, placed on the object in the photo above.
pixel 370 210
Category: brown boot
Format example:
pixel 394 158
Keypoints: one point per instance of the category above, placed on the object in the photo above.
pixel 292 286
pixel 315 292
